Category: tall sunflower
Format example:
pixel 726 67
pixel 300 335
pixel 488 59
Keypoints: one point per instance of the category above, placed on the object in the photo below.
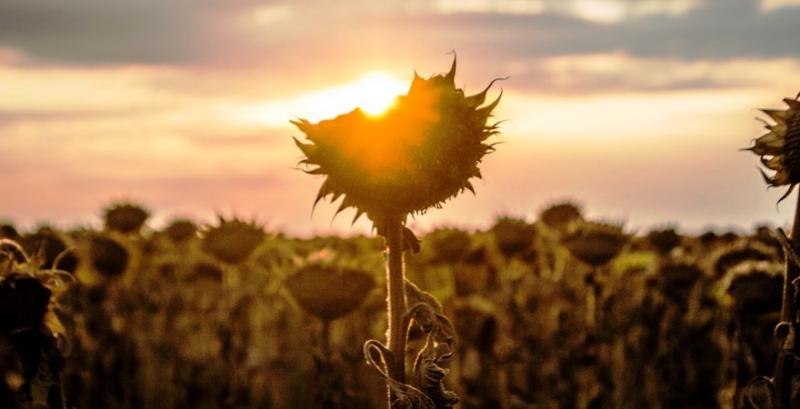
pixel 423 151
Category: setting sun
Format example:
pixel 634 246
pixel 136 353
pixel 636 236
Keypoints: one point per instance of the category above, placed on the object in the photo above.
pixel 376 91
pixel 373 92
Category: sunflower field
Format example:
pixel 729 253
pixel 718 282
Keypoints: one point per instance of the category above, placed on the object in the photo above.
pixel 556 312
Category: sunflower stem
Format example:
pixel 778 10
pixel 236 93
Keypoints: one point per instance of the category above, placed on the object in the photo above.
pixel 784 368
pixel 326 338
pixel 396 297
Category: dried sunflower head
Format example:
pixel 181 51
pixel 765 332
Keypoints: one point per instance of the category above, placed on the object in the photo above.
pixel 108 256
pixel 24 302
pixel 595 243
pixel 755 288
pixel 560 215
pixel 232 241
pixel 125 217
pixel 677 279
pixel 513 236
pixel 328 292
pixel 664 240
pixel 421 152
pixel 181 230
pixel 779 148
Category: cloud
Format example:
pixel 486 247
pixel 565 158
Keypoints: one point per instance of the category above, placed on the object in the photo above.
pixel 114 32
pixel 287 34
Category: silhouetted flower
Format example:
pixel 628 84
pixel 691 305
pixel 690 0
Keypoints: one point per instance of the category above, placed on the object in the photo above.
pixel 595 243
pixel 23 302
pixel 125 217
pixel 676 279
pixel 779 148
pixel 328 292
pixel 421 152
pixel 232 241
pixel 664 240
pixel 108 256
pixel 513 236
pixel 560 215
pixel 755 289
pixel 181 230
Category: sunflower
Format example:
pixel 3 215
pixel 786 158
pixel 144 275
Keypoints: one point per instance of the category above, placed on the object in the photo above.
pixel 595 244
pixel 423 151
pixel 125 217
pixel 779 148
pixel 329 292
pixel 234 240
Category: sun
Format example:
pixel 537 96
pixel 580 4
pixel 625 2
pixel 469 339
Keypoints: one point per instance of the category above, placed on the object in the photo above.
pixel 376 91
pixel 373 92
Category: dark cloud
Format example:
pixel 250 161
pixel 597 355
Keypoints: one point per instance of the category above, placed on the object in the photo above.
pixel 717 29
pixel 184 31
pixel 114 32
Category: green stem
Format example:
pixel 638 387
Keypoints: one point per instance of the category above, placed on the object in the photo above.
pixel 396 297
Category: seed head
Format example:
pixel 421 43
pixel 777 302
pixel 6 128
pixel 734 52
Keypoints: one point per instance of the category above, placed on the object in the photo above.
pixel 125 217
pixel 328 292
pixel 513 236
pixel 421 152
pixel 779 148
pixel 232 241
pixel 181 230
pixel 109 256
pixel 560 215
pixel 595 243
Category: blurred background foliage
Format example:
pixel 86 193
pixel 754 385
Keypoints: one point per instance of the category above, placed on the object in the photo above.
pixel 558 312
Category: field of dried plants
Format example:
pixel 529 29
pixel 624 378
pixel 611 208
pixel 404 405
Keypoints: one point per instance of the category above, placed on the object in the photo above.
pixel 558 312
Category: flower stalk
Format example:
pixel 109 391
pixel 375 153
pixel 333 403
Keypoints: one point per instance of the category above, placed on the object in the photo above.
pixel 786 331
pixel 396 299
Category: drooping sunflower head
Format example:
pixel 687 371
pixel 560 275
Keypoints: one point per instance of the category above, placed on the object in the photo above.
pixel 595 244
pixel 329 292
pixel 560 215
pixel 421 152
pixel 779 148
pixel 232 241
pixel 125 217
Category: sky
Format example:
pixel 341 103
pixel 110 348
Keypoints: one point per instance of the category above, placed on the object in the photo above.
pixel 635 109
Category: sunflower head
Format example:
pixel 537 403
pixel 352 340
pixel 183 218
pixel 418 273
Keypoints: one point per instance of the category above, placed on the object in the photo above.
pixel 560 215
pixel 125 217
pixel 328 292
pixel 779 148
pixel 513 236
pixel 755 288
pixel 595 244
pixel 664 240
pixel 232 241
pixel 677 279
pixel 181 230
pixel 421 152
pixel 24 301
pixel 108 255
